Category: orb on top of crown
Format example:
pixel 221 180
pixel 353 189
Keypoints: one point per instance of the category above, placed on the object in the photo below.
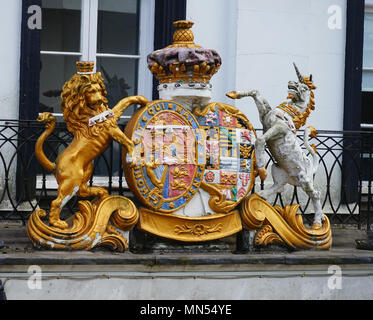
pixel 184 61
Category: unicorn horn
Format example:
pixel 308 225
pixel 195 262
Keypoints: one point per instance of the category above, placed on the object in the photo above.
pixel 300 77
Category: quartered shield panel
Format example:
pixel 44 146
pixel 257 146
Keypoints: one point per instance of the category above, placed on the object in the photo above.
pixel 229 154
pixel 168 162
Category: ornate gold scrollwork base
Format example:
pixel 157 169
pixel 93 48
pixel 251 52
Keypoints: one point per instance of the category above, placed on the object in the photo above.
pixel 278 225
pixel 94 224
pixel 189 229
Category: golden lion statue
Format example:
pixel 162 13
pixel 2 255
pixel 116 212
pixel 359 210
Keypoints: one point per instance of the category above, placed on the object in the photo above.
pixel 94 126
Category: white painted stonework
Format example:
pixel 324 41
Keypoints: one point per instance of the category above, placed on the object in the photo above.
pixel 189 97
pixel 318 282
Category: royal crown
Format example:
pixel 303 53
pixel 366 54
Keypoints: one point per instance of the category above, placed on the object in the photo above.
pixel 184 61
pixel 85 67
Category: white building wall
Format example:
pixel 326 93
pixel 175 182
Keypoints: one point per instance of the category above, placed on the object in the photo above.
pixel 10 39
pixel 215 27
pixel 259 39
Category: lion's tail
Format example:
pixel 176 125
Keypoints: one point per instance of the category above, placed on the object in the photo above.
pixel 311 132
pixel 50 123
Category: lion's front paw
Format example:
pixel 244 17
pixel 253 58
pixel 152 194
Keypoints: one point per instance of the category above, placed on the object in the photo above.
pixel 143 100
pixel 131 160
pixel 130 148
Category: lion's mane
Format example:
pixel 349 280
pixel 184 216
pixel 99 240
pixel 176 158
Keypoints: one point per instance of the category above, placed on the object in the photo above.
pixel 76 113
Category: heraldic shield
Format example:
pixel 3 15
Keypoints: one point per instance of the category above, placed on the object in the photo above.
pixel 178 152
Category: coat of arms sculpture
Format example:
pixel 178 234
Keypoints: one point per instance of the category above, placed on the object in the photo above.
pixel 190 163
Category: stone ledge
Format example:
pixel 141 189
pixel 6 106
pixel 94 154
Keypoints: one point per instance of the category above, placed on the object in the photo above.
pixel 342 257
pixel 18 251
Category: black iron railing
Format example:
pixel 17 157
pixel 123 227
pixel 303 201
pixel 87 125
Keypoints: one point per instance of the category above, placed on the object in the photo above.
pixel 344 177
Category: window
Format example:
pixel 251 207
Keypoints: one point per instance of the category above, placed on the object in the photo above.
pixel 116 35
pixel 367 82
pixel 367 91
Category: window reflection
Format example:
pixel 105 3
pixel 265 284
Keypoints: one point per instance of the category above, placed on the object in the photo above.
pixel 61 25
pixel 120 77
pixel 117 30
pixel 368 41
pixel 55 70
